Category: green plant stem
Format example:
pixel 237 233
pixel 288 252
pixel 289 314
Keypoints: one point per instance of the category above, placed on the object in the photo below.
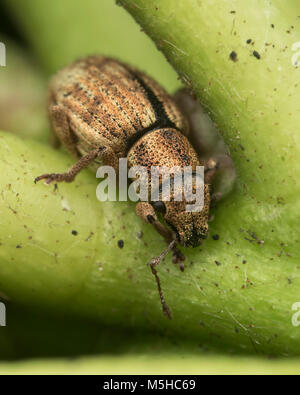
pixel 245 302
pixel 44 263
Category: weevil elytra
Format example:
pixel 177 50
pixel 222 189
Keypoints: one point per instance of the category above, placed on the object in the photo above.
pixel 102 110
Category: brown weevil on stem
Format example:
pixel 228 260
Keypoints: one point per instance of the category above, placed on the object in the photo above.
pixel 102 110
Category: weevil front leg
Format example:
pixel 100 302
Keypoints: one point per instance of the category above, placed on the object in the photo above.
pixel 147 213
pixel 62 133
pixel 152 264
pixel 219 172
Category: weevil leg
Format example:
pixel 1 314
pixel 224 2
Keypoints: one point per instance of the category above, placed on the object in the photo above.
pixel 147 213
pixel 156 261
pixel 86 160
pixel 220 174
pixel 178 258
pixel 202 132
pixel 210 169
pixel 54 141
pixel 62 132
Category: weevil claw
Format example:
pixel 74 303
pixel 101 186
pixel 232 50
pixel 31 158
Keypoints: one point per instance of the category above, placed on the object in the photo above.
pixel 43 176
pixel 178 258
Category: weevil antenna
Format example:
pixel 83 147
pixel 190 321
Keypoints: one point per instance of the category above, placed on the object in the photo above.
pixel 156 261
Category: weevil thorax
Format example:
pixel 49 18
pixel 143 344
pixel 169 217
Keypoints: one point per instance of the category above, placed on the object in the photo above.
pixel 170 148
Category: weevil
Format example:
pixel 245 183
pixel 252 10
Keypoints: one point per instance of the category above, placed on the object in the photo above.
pixel 102 110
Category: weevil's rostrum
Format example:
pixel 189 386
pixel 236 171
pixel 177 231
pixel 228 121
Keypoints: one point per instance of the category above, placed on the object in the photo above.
pixel 103 110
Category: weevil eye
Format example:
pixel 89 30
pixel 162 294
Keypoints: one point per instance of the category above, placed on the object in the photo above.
pixel 160 207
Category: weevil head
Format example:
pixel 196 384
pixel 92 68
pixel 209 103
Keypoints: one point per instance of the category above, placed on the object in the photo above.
pixel 189 227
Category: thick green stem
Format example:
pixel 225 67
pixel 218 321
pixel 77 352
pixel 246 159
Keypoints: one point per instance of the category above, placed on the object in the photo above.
pixel 241 60
pixel 59 249
pixel 236 292
pixel 255 102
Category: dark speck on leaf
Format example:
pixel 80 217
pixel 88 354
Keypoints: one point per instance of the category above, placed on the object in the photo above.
pixel 233 56
pixel 74 232
pixel 249 41
pixel 216 237
pixel 18 246
pixel 272 26
pixel 120 243
pixel 218 263
pixel 256 54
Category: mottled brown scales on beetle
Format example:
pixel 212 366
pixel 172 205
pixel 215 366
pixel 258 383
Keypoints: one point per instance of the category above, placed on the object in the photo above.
pixel 145 151
pixel 102 110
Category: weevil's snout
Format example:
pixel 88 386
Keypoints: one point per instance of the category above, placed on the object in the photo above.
pixel 194 237
pixel 190 228
pixel 193 230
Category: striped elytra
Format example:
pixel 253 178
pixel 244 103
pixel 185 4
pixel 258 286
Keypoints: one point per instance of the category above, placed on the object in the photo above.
pixel 110 103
